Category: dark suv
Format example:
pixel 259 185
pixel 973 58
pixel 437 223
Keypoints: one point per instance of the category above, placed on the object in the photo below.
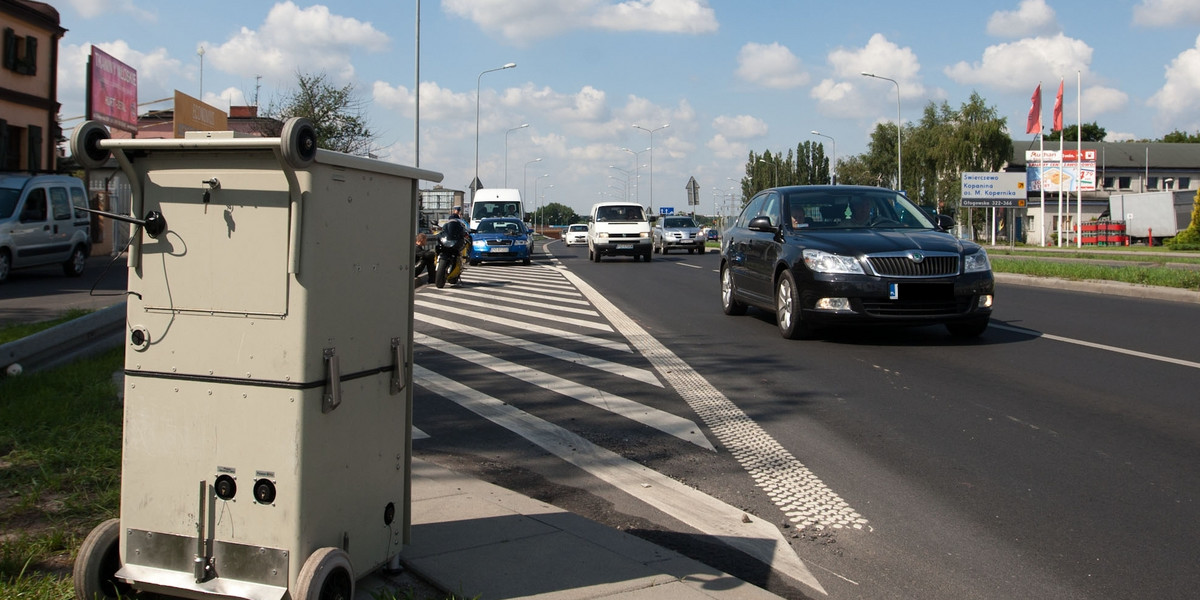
pixel 822 255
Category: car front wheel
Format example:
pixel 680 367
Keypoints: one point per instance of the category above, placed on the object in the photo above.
pixel 787 309
pixel 728 303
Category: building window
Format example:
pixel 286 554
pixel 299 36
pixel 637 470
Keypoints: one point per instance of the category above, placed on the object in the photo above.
pixel 1108 183
pixel 1123 183
pixel 20 52
pixel 1184 183
pixel 1152 183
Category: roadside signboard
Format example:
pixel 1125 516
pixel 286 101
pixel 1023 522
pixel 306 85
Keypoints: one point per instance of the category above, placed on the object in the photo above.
pixel 666 210
pixel 693 191
pixel 1067 170
pixel 994 189
pixel 194 115
pixel 112 91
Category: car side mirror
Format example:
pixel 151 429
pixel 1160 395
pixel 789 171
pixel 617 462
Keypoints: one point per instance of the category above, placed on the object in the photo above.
pixel 761 224
pixel 945 222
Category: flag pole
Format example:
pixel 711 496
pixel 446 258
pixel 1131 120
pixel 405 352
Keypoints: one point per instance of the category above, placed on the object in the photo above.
pixel 1079 158
pixel 1057 116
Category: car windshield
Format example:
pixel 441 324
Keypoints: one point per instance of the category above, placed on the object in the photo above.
pixel 853 209
pixel 678 222
pixel 506 227
pixel 578 228
pixel 620 213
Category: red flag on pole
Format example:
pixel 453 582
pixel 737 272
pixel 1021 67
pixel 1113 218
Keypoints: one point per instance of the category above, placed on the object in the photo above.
pixel 1034 123
pixel 1058 108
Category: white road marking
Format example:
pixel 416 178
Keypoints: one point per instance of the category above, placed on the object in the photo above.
pixel 448 306
pixel 796 490
pixel 663 421
pixel 1126 351
pixel 493 308
pixel 529 301
pixel 758 538
pixel 634 373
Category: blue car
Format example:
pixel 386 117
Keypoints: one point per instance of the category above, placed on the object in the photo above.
pixel 500 239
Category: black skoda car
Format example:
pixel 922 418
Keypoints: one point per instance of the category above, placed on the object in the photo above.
pixel 824 255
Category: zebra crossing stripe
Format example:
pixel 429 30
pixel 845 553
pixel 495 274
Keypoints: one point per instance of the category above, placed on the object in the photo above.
pixel 663 421
pixel 630 372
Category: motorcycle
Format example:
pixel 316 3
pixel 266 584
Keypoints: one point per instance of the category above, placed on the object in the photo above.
pixel 450 253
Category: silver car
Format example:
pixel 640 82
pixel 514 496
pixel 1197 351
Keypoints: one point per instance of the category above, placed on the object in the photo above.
pixel 677 232
pixel 41 223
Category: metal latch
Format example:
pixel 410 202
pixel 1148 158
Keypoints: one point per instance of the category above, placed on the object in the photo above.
pixel 399 365
pixel 333 382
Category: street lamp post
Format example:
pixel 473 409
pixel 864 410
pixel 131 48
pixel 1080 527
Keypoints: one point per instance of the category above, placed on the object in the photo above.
pixel 475 182
pixel 535 198
pixel 832 179
pixel 525 181
pixel 651 132
pixel 899 182
pixel 522 126
pixel 637 173
pixel 628 178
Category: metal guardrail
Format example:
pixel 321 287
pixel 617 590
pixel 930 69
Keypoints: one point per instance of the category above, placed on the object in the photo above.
pixel 78 338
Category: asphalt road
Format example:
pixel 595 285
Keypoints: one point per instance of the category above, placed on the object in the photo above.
pixel 41 293
pixel 1055 457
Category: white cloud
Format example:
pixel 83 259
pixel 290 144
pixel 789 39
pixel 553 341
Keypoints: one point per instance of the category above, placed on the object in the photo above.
pixel 523 21
pixel 740 127
pixel 155 70
pixel 722 147
pixel 1032 18
pixel 672 16
pixel 90 9
pixel 311 40
pixel 1099 100
pixel 1178 101
pixel 883 58
pixel 1019 65
pixel 770 65
pixel 1167 13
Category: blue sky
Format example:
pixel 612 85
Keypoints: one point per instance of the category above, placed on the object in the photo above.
pixel 729 77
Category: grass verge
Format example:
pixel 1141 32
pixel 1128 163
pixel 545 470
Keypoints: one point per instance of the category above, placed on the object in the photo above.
pixel 11 333
pixel 1143 275
pixel 60 468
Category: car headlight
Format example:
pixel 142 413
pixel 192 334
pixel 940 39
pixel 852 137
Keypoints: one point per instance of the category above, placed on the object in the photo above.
pixel 480 244
pixel 520 242
pixel 825 262
pixel 977 262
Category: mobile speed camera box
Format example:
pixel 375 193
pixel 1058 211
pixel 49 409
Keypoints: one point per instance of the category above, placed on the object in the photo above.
pixel 268 393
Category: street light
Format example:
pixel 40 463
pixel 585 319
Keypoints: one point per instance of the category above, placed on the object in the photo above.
pixel 475 182
pixel 832 179
pixel 535 200
pixel 628 178
pixel 525 181
pixel 522 126
pixel 776 165
pixel 651 132
pixel 899 184
pixel 637 173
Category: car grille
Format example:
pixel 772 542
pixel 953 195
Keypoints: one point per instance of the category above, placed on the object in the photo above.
pixel 499 242
pixel 919 300
pixel 902 264
pixel 624 236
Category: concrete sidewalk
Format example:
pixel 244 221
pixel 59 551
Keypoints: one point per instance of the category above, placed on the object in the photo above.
pixel 477 540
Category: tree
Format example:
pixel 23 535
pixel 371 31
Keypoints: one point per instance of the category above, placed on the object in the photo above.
pixel 555 214
pixel 336 114
pixel 1092 132
pixel 1181 137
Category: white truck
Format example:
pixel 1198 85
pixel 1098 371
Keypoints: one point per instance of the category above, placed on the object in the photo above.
pixel 1153 214
pixel 619 228
pixel 496 202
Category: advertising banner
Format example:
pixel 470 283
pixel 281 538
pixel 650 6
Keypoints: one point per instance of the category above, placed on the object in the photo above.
pixel 1045 171
pixel 194 115
pixel 112 91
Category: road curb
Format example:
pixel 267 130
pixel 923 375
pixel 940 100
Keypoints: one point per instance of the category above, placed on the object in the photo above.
pixel 1111 288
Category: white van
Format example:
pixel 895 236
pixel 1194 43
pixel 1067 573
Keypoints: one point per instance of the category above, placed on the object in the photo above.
pixel 619 228
pixel 498 202
pixel 41 223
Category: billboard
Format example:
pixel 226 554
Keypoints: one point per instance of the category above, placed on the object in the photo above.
pixel 994 189
pixel 194 115
pixel 1066 170
pixel 112 91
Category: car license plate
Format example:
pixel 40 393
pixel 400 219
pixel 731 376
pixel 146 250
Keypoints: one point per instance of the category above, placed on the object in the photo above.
pixel 498 250
pixel 624 246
